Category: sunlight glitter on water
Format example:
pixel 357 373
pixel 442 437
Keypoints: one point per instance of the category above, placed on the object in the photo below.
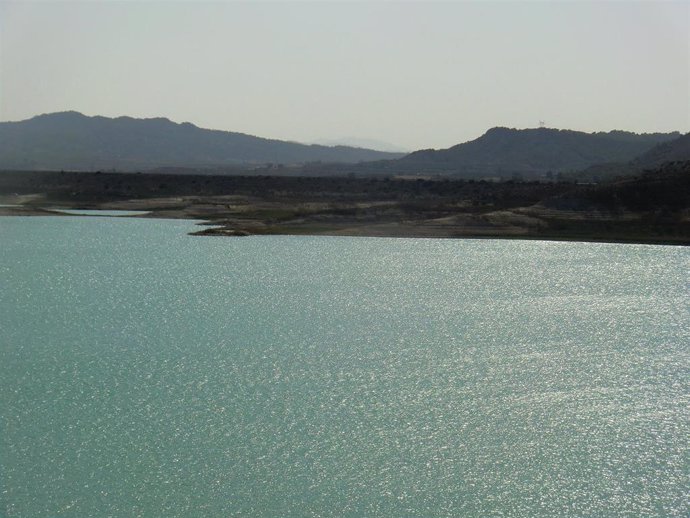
pixel 148 372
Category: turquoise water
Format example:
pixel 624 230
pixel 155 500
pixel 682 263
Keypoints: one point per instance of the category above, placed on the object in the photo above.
pixel 145 372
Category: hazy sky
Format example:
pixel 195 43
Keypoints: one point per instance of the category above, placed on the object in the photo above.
pixel 418 75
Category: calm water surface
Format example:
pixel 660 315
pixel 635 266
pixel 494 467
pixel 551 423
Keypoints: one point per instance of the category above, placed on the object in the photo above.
pixel 144 372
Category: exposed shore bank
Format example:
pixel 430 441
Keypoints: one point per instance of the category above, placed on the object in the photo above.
pixel 385 207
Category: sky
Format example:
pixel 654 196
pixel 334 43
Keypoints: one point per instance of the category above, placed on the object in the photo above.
pixel 415 75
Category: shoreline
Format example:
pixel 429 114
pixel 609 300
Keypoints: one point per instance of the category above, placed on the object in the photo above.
pixel 647 210
pixel 401 231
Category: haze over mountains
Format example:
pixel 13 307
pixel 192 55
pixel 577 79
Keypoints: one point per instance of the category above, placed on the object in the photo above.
pixel 367 143
pixel 72 141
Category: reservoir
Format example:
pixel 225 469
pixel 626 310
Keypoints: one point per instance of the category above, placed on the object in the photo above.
pixel 145 372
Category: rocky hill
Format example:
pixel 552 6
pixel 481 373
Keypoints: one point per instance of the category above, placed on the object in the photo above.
pixel 530 152
pixel 676 150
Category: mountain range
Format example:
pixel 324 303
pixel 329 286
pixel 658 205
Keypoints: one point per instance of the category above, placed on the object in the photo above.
pixel 72 141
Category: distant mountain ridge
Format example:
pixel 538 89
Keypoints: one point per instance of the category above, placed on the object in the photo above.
pixel 71 140
pixel 367 143
pixel 504 151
